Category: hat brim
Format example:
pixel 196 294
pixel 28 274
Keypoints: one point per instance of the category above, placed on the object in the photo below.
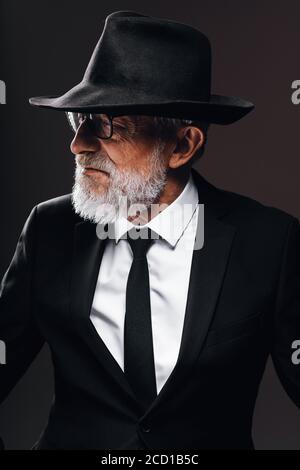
pixel 85 97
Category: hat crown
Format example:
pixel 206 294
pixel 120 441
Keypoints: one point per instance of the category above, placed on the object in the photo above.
pixel 142 53
pixel 128 13
pixel 153 66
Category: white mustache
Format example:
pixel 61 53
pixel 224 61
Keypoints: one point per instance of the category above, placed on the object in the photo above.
pixel 96 162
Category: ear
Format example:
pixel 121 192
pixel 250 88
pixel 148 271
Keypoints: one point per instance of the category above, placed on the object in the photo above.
pixel 189 140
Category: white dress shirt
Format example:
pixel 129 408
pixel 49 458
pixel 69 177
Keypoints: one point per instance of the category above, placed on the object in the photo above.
pixel 169 261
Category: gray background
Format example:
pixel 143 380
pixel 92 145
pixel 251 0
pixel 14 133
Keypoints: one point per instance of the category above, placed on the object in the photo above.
pixel 45 47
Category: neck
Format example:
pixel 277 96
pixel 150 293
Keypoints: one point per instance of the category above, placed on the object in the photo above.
pixel 174 186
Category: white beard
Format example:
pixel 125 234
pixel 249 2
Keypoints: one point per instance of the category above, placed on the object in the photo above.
pixel 131 186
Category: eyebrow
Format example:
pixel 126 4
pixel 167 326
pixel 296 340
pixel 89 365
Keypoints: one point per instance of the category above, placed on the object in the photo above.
pixel 122 119
pixel 127 122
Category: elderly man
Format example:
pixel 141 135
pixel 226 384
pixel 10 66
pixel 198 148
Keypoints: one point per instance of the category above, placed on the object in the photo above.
pixel 156 343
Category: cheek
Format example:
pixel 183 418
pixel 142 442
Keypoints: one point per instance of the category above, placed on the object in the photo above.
pixel 131 158
pixel 116 154
pixel 130 155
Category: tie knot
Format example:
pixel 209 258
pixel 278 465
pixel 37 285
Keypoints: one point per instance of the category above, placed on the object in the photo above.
pixel 140 240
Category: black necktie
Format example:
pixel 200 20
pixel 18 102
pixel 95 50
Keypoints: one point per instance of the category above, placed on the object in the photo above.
pixel 139 365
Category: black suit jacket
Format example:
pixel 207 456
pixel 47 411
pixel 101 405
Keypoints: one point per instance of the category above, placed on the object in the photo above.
pixel 243 305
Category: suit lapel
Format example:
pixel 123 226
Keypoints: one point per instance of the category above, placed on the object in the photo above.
pixel 88 251
pixel 206 277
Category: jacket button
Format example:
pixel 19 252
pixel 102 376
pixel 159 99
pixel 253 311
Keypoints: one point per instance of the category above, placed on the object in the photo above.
pixel 145 428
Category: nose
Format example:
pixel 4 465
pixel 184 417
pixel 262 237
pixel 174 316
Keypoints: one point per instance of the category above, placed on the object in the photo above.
pixel 84 140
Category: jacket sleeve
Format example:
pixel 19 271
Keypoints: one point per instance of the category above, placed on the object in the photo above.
pixel 19 332
pixel 286 327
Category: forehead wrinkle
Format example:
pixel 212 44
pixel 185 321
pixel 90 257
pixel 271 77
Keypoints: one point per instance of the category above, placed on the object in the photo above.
pixel 134 123
pixel 134 119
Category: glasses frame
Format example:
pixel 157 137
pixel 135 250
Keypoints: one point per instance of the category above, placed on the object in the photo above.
pixel 91 124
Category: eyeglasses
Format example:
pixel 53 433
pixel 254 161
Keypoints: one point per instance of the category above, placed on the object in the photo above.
pixel 100 124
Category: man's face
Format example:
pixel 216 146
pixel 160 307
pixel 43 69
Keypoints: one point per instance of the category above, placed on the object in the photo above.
pixel 132 164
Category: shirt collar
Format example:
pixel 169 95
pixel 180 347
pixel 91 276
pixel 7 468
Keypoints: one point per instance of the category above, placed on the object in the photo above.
pixel 172 221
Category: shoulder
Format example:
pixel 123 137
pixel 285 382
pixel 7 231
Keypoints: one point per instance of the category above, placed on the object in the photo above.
pixel 243 207
pixel 247 213
pixel 54 218
pixel 57 208
pixel 247 210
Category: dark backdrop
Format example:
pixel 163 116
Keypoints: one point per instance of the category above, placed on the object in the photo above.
pixel 45 47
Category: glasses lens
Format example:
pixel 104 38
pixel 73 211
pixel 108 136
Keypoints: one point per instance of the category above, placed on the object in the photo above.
pixel 100 124
pixel 75 119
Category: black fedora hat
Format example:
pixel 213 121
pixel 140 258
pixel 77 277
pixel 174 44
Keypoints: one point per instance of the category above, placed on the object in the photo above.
pixel 154 66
